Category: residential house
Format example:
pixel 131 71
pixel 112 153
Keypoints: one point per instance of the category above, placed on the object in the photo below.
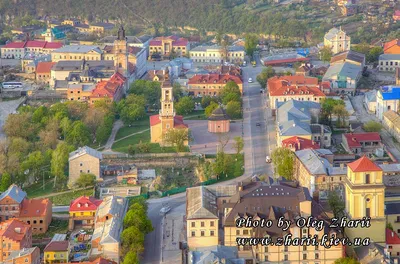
pixel 37 213
pixel 18 50
pixel 215 254
pixel 343 77
pixel 178 67
pixel 387 98
pixel 82 212
pixel 217 54
pixel 391 121
pixel 77 52
pixel 211 84
pixel 158 75
pixel 389 62
pixel 296 87
pixel 370 101
pixel 84 160
pixel 298 143
pixel 166 119
pixel 208 207
pixel 365 197
pixel 350 56
pixel 80 91
pixel 106 241
pixel 43 71
pixel 101 27
pixel 166 46
pixel 337 40
pixel 361 143
pixel 56 252
pixel 71 21
pixel 392 47
pixel 393 242
pixel 396 15
pixel 304 69
pixel 11 202
pixel 109 91
pixel 30 61
pixel 23 256
pixel 315 172
pixel 15 235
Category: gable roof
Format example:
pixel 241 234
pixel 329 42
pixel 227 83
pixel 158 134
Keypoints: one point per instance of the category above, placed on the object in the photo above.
pixel 57 246
pixel 84 203
pixel 343 69
pixel 390 44
pixel 44 66
pixel 355 139
pixel 201 203
pixel 112 205
pixel 299 143
pixel 392 237
pixel 314 163
pixel 109 88
pixel 348 56
pixel 83 151
pixel 363 164
pixel 294 128
pixel 293 85
pixel 15 193
pixel 35 208
pixel 296 110
pixel 332 33
pixel 14 229
pixel 78 49
pixel 34 44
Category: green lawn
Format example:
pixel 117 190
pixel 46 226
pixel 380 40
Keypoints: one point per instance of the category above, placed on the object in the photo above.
pixel 36 190
pixel 66 198
pixel 136 127
pixel 57 226
pixel 195 115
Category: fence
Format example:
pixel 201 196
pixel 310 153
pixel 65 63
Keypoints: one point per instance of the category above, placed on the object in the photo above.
pixel 150 155
pixel 183 189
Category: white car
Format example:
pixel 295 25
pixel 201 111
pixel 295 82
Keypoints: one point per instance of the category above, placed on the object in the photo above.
pixel 267 159
pixel 250 80
pixel 165 210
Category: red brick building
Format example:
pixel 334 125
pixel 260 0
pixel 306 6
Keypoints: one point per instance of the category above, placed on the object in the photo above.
pixel 211 84
pixel 15 235
pixel 37 213
pixel 24 256
pixel 219 121
pixel 11 202
pixel 43 71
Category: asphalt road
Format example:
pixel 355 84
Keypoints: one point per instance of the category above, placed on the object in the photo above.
pixel 258 142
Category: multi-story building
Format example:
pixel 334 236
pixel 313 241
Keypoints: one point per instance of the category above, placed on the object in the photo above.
pixel 15 235
pixel 56 252
pixel 108 227
pixel 391 121
pixel 109 91
pixel 23 256
pixel 18 50
pixel 213 207
pixel 211 84
pixel 37 213
pixel 314 171
pixel 165 46
pixel 101 27
pixel 71 22
pixel 389 62
pixel 387 98
pixel 80 91
pixel 365 197
pixel 217 54
pixel 392 47
pixel 30 61
pixel 397 76
pixel 43 71
pixel 11 202
pixel 298 143
pixel 349 56
pixel 82 212
pixel 361 143
pixel 337 40
pixel 84 160
pixel 296 87
pixel 77 52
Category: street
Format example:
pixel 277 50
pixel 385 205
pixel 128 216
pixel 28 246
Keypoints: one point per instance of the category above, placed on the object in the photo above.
pixel 258 142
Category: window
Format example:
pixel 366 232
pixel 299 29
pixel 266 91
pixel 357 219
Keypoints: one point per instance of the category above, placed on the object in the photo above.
pixel 202 224
pixel 238 232
pixel 266 249
pixel 212 223
pixel 34 221
pixel 304 256
pixel 211 233
pixel 367 178
pixel 304 248
pixel 245 232
pixel 316 255
pixel 316 247
pixel 286 258
pixel 193 233
pixel 286 249
pixel 201 233
pixel 81 164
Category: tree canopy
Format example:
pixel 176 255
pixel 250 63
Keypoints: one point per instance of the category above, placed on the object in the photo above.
pixel 283 160
pixel 263 77
pixel 372 126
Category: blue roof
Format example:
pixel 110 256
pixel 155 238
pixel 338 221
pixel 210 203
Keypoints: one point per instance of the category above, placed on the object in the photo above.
pixel 15 193
pixel 390 92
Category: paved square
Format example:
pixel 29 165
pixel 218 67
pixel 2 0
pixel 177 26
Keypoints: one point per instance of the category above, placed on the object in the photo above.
pixel 205 142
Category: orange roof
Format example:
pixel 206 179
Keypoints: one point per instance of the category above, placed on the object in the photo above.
pixel 214 78
pixel 84 203
pixel 293 85
pixel 14 229
pixel 44 66
pixel 57 246
pixel 109 88
pixel 363 164
pixel 34 207
pixel 388 45
pixel 299 143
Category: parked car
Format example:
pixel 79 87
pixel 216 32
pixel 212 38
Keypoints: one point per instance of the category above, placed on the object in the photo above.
pixel 268 159
pixel 250 80
pixel 258 124
pixel 165 210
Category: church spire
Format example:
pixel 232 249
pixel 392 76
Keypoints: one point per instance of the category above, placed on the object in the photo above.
pixel 121 33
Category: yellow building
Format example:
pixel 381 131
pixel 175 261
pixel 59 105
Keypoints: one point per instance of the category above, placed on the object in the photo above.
pixel 166 120
pixel 56 252
pixel 365 197
pixel 391 121
pixel 337 40
pixel 77 52
pixel 82 212
pixel 84 160
pixel 100 28
pixel 210 54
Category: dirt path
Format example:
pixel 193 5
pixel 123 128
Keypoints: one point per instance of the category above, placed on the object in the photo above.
pixel 117 125
pixel 64 192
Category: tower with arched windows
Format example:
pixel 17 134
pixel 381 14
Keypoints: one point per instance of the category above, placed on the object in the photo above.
pixel 121 53
pixel 365 197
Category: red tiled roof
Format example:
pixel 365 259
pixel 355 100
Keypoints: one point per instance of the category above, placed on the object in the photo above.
pixel 57 246
pixel 355 139
pixel 53 45
pixel 44 66
pixel 34 44
pixel 363 164
pixel 98 261
pixel 178 121
pixel 14 229
pixel 391 237
pixel 299 143
pixel 84 203
pixel 109 88
pixel 15 45
pixel 294 85
pixel 34 207
pixel 387 45
pixel 214 78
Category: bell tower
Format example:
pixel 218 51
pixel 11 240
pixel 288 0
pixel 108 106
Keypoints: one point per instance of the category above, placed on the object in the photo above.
pixel 121 53
pixel 48 35
pixel 167 111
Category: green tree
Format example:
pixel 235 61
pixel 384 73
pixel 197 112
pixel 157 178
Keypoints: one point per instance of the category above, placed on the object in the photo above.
pixel 222 164
pixel 347 260
pixel 85 179
pixel 265 74
pixel 19 125
pixel 342 115
pixel 177 138
pixel 143 147
pixel 230 87
pixel 137 216
pixel 325 54
pixel 151 91
pixel 231 97
pixel 33 163
pixel 372 126
pixel 206 100
pixel 336 204
pixel 5 182
pixel 389 226
pixel 79 134
pixel 93 119
pixel 238 144
pixel 177 91
pixel 250 44
pixel 132 240
pixel 103 132
pixel 210 109
pixel 132 108
pixel 59 161
pixel 40 114
pixel 131 258
pixel 283 160
pixel 184 106
pixel 234 110
pixel 327 106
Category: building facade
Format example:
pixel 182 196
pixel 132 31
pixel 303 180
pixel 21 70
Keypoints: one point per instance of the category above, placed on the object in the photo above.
pixel 23 256
pixel 56 252
pixel 387 98
pixel 15 235
pixel 389 62
pixel 216 54
pixel 37 213
pixel 337 40
pixel 211 84
pixel 82 212
pixel 18 50
pixel 166 46
pixel 84 160
pixel 219 121
pixel 361 143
